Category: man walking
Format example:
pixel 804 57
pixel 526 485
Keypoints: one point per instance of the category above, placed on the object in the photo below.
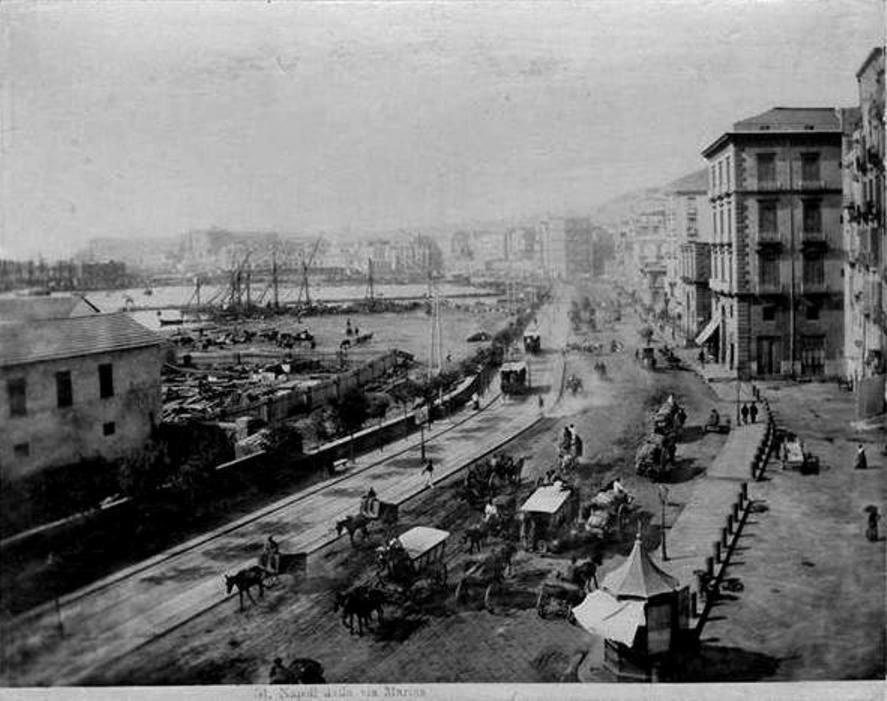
pixel 744 413
pixel 702 358
pixel 860 462
pixel 428 471
pixel 753 412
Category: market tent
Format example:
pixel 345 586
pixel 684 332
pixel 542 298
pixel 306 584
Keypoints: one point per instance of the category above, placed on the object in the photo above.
pixel 603 614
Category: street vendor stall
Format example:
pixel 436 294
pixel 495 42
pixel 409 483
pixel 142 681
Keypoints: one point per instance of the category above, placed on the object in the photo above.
pixel 640 611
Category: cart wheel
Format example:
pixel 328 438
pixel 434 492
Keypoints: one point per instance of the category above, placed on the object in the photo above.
pixel 458 593
pixel 487 598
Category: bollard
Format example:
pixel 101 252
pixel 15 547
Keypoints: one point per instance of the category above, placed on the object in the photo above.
pixel 724 539
pixel 694 611
pixel 717 549
pixel 744 488
pixel 709 567
pixel 730 523
pixel 735 513
pixel 752 465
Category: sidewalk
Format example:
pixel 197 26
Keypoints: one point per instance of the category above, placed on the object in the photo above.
pixel 691 539
pixel 113 617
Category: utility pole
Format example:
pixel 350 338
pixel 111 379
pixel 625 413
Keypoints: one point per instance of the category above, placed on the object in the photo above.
pixel 663 500
pixel 274 278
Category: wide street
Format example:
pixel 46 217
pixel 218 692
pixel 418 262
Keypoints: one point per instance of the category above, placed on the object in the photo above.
pixel 112 617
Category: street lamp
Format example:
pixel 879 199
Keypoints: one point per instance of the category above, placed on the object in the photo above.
pixel 663 500
pixel 422 441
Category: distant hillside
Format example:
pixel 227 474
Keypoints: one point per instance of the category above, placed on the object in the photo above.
pixel 622 207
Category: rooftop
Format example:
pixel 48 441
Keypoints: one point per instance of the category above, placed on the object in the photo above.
pixel 638 577
pixel 54 339
pixel 35 308
pixel 783 120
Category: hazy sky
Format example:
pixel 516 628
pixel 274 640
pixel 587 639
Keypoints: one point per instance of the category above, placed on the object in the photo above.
pixel 125 119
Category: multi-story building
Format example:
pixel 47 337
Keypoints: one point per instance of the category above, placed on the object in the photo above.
pixel 775 194
pixel 864 234
pixel 687 253
pixel 567 246
pixel 75 389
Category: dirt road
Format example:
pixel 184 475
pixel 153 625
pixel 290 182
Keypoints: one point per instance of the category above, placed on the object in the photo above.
pixel 446 641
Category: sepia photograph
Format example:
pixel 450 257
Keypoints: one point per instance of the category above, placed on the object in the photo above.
pixel 443 349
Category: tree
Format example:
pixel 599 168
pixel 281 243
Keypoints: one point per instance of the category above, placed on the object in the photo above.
pixel 352 409
pixel 143 472
pixel 282 438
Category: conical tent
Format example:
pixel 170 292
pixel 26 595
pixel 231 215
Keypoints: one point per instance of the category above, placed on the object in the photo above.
pixel 639 577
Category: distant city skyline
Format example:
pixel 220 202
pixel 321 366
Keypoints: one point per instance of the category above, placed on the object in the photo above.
pixel 150 119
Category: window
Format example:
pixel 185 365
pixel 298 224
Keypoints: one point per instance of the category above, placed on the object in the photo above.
pixel 812 312
pixel 727 168
pixel 809 167
pixel 812 355
pixel 812 216
pixel 814 270
pixel 63 389
pixel 769 271
pixel 720 175
pixel 109 428
pixel 712 177
pixel 17 389
pixel 767 168
pixel 767 226
pixel 22 450
pixel 768 312
pixel 106 381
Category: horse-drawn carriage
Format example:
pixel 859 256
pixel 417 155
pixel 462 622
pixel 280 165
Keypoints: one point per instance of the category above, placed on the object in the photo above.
pixel 648 358
pixel 270 565
pixel 558 595
pixel 607 510
pixel 514 378
pixel 656 454
pixel 574 384
pixel 418 554
pixel 485 477
pixel 669 418
pixel 372 510
pixel 794 456
pixel 545 513
pixel 532 342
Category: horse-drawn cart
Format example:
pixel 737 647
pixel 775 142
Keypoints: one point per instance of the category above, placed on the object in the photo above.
pixel 655 455
pixel 607 510
pixel 418 554
pixel 275 565
pixel 547 510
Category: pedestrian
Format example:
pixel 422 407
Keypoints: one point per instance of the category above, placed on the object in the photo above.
pixel 744 413
pixel 872 531
pixel 860 462
pixel 637 354
pixel 702 358
pixel 541 402
pixel 753 412
pixel 428 471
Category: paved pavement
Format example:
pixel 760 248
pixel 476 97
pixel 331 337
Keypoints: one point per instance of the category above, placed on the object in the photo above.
pixel 118 614
pixel 691 538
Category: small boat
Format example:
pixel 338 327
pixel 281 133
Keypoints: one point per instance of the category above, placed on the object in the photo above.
pixel 148 291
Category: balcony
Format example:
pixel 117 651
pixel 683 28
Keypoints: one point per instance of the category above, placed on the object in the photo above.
pixel 814 239
pixel 814 288
pixel 769 240
pixel 768 287
pixel 808 185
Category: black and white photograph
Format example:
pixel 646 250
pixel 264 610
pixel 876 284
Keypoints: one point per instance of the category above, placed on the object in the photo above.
pixel 443 349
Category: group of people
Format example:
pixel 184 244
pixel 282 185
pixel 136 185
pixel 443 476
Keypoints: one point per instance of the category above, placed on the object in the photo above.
pixel 749 412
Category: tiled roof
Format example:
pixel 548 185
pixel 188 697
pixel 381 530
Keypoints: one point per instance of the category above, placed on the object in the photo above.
pixel 37 341
pixel 34 308
pixel 792 119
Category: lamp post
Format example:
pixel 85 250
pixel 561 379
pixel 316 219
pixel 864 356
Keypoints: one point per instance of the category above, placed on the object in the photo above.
pixel 422 441
pixel 663 500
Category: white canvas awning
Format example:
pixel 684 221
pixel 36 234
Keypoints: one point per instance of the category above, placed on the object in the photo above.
pixel 604 615
pixel 709 329
pixel 419 540
pixel 546 500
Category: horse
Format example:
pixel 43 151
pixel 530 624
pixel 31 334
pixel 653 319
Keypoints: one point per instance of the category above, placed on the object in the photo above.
pixel 360 602
pixel 353 524
pixel 302 670
pixel 476 536
pixel 245 580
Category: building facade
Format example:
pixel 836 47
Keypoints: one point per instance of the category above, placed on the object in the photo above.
pixel 687 253
pixel 76 389
pixel 864 227
pixel 776 194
